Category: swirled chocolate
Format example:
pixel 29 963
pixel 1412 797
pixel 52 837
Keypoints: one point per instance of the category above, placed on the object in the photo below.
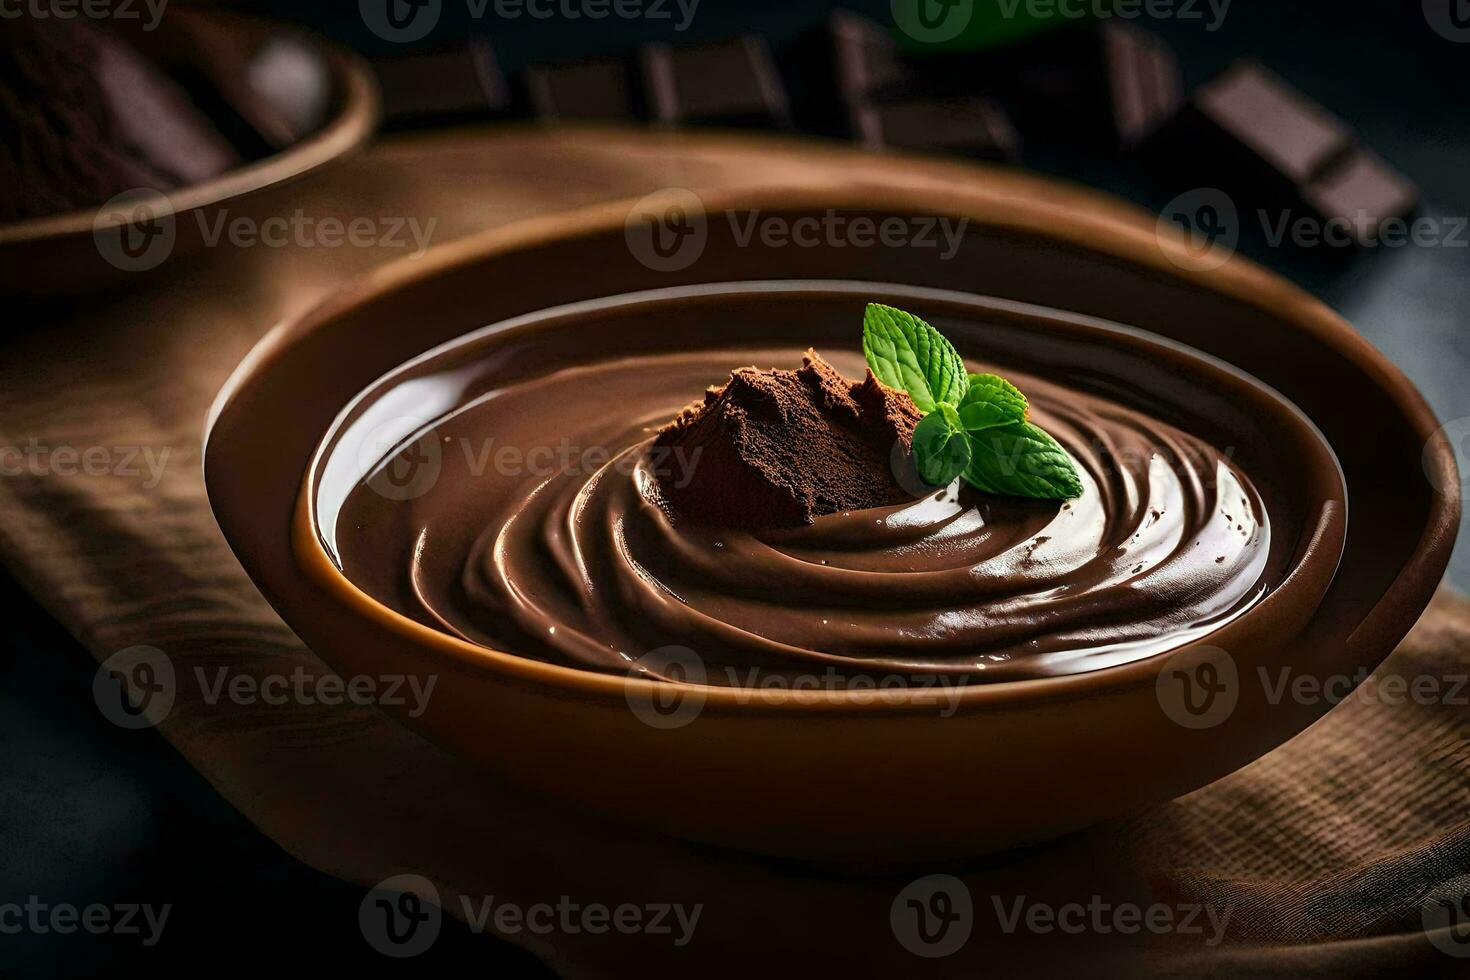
pixel 544 529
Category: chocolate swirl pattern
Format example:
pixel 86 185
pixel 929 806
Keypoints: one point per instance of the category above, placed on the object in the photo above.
pixel 584 564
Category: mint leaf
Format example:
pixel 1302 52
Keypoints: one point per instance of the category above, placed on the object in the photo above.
pixel 906 353
pixel 990 401
pixel 974 424
pixel 1020 460
pixel 941 448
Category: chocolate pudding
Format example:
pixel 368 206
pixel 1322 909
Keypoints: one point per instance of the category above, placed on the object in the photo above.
pixel 596 502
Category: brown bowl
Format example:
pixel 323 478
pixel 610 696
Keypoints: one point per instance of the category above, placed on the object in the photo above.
pixel 86 250
pixel 824 778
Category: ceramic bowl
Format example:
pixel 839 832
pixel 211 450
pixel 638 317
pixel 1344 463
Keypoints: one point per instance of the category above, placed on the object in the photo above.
pixel 139 233
pixel 892 781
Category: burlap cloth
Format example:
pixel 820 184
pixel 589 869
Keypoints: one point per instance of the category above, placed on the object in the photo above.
pixel 1325 853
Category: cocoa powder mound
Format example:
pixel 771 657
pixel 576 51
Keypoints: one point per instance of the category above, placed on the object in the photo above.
pixel 781 448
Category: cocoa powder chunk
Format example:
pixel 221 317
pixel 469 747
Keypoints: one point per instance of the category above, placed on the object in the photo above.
pixel 781 448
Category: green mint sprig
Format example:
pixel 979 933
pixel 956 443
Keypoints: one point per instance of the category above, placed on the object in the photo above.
pixel 975 425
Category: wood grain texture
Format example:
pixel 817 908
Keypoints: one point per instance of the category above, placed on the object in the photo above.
pixel 1323 850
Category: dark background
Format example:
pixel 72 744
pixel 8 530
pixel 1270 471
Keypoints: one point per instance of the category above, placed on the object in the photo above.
pixel 91 813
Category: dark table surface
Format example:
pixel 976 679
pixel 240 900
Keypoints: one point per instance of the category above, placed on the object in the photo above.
pixel 91 813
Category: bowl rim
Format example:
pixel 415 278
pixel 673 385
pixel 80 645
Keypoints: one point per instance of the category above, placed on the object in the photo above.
pixel 350 127
pixel 1324 521
pixel 1314 557
pixel 1007 201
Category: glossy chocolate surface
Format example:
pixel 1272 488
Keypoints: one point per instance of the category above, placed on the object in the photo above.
pixel 516 504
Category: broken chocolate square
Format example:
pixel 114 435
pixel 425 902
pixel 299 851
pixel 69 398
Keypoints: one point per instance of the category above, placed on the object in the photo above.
pixel 1250 133
pixel 1362 192
pixel 732 83
pixel 87 116
pixel 584 90
pixel 865 60
pixel 464 82
pixel 1113 83
pixel 1144 85
pixel 1270 128
pixel 974 127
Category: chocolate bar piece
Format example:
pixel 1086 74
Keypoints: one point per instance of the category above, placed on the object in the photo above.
pixel 87 116
pixel 464 82
pixel 848 60
pixel 1111 83
pixel 972 126
pixel 264 95
pixel 864 58
pixel 586 90
pixel 289 92
pixel 280 89
pixel 730 83
pixel 1144 86
pixel 1362 191
pixel 1250 132
pixel 1276 131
